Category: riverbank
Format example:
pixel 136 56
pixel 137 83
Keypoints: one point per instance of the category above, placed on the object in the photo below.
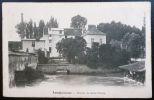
pixel 78 69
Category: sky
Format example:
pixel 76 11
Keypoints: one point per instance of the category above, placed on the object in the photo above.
pixel 130 13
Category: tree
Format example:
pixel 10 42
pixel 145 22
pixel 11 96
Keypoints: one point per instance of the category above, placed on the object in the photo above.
pixel 21 29
pixel 41 28
pixel 52 23
pixel 29 29
pixel 46 30
pixel 78 22
pixel 113 56
pixel 93 55
pixel 133 44
pixel 71 48
pixel 35 29
pixel 41 57
pixel 117 30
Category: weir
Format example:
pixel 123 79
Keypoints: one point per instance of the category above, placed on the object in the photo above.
pixel 52 68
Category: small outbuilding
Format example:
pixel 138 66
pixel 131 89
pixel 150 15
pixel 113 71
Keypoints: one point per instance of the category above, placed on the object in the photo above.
pixel 135 71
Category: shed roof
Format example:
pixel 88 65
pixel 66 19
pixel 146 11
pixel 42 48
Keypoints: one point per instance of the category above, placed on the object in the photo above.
pixel 137 67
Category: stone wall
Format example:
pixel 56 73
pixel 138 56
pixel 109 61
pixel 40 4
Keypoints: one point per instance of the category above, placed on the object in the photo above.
pixel 73 69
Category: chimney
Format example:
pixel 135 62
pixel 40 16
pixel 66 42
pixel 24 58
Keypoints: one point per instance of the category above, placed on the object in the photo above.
pixel 91 27
pixel 22 19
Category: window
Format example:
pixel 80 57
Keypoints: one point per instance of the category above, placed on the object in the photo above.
pixel 33 43
pixel 92 40
pixel 50 41
pixel 65 36
pixel 50 35
pixel 100 41
pixel 50 49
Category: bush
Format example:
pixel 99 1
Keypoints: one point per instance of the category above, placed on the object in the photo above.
pixel 41 57
pixel 107 57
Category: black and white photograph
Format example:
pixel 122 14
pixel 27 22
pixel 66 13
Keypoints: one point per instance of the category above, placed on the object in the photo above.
pixel 77 49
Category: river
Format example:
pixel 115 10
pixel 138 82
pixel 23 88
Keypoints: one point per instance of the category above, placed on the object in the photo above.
pixel 82 80
pixel 76 86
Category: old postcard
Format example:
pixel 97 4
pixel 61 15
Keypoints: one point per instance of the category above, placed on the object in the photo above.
pixel 79 50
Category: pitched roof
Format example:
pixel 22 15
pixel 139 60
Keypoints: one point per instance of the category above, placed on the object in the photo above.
pixel 137 67
pixel 94 32
pixel 72 32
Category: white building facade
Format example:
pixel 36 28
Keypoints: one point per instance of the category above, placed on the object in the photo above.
pixel 30 45
pixel 48 42
pixel 55 35
pixel 93 35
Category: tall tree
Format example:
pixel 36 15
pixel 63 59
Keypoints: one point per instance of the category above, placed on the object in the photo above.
pixel 41 28
pixel 21 29
pixel 52 23
pixel 46 29
pixel 29 29
pixel 78 22
pixel 35 29
pixel 30 26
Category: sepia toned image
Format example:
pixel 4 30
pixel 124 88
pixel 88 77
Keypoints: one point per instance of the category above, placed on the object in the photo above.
pixel 81 50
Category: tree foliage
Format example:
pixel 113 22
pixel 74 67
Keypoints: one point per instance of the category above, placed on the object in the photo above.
pixel 21 28
pixel 52 23
pixel 35 29
pixel 41 57
pixel 106 56
pixel 78 22
pixel 133 44
pixel 116 31
pixel 30 30
pixel 93 55
pixel 71 48
pixel 41 28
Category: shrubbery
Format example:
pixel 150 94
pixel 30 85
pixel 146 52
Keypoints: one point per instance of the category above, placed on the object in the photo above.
pixel 106 56
pixel 41 57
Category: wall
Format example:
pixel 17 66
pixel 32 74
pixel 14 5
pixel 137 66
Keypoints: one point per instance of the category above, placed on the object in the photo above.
pixel 73 68
pixel 55 36
pixel 96 39
pixel 28 44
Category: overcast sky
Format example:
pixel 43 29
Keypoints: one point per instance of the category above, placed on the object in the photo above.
pixel 127 13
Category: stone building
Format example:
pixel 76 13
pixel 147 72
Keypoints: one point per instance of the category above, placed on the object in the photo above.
pixel 94 35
